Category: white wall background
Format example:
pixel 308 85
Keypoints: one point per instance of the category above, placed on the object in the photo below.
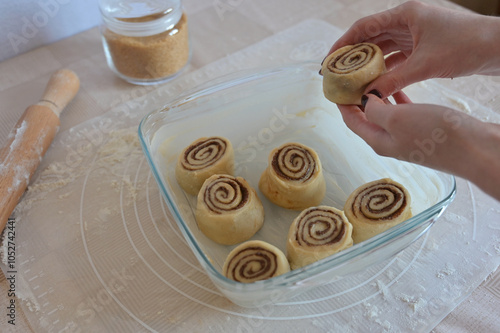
pixel 27 24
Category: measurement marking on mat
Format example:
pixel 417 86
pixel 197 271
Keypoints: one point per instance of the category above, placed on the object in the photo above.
pixel 24 262
pixel 34 277
pixel 36 287
pixel 45 304
pixel 41 295
pixel 55 322
pixel 53 311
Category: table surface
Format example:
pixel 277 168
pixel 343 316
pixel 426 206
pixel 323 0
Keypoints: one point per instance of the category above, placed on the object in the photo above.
pixel 218 29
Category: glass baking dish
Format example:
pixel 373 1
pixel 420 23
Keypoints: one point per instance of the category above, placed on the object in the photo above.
pixel 258 111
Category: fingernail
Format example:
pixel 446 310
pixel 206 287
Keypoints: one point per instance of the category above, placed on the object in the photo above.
pixel 364 99
pixel 322 65
pixel 376 93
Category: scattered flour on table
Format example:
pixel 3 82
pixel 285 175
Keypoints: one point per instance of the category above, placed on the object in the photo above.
pixel 382 287
pixel 120 145
pixel 128 184
pixel 27 296
pixel 385 324
pixel 3 249
pixel 497 248
pixel 492 218
pixel 446 271
pixel 455 218
pixel 415 303
pixel 372 313
pixel 65 195
pixel 104 213
pixel 432 244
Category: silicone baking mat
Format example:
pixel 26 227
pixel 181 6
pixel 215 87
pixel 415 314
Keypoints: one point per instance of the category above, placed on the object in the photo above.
pixel 98 251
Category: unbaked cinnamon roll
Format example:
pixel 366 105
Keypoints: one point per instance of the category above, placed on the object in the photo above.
pixel 347 71
pixel 255 261
pixel 294 177
pixel 318 232
pixel 228 210
pixel 377 206
pixel 201 159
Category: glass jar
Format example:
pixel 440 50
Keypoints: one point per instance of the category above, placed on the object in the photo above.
pixel 145 42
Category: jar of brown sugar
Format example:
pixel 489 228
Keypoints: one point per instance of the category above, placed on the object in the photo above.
pixel 145 42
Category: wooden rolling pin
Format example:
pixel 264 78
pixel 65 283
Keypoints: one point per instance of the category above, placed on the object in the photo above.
pixel 30 139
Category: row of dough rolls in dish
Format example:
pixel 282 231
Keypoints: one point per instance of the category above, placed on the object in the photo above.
pixel 229 212
pixel 321 231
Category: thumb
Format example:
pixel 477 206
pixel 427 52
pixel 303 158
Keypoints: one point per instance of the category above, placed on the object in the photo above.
pixel 395 80
pixel 377 111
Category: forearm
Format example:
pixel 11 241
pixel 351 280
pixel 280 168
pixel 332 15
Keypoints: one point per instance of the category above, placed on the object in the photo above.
pixel 481 159
pixel 488 49
pixel 431 135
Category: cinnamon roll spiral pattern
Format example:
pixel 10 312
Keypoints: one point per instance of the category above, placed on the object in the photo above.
pixel 224 194
pixel 347 71
pixel 294 162
pixel 202 159
pixel 377 206
pixel 294 177
pixel 228 210
pixel 255 261
pixel 317 233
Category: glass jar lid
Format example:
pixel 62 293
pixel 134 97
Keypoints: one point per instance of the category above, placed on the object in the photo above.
pixel 140 18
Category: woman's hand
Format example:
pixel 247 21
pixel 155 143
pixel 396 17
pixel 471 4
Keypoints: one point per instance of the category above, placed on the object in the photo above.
pixel 430 135
pixel 421 41
pixel 425 41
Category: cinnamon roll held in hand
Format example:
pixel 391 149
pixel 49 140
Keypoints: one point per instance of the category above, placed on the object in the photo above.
pixel 255 261
pixel 377 206
pixel 294 177
pixel 318 232
pixel 201 159
pixel 347 71
pixel 228 210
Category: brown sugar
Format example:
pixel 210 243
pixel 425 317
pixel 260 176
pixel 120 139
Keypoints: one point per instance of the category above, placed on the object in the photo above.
pixel 149 57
